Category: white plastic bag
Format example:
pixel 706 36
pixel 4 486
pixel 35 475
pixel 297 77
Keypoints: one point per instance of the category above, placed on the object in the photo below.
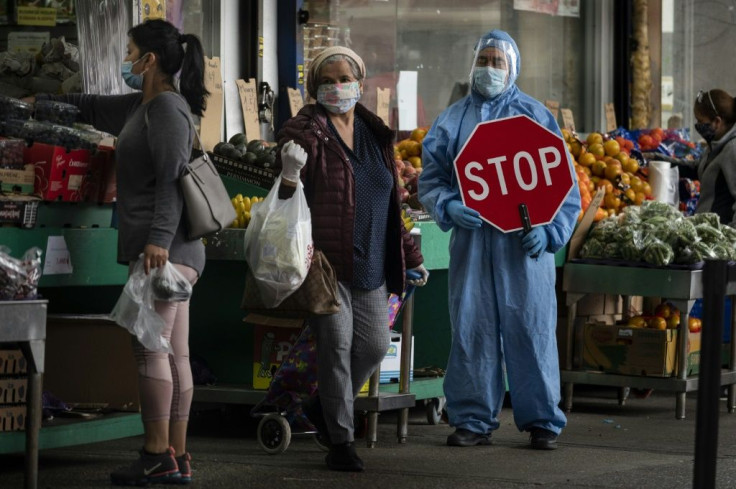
pixel 664 179
pixel 169 285
pixel 278 244
pixel 134 311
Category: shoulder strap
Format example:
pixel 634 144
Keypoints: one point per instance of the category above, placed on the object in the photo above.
pixel 191 125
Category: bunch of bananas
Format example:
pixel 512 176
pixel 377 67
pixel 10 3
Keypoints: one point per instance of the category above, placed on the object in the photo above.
pixel 242 206
pixel 408 223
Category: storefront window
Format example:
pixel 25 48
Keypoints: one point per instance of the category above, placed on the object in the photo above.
pixel 427 46
pixel 697 54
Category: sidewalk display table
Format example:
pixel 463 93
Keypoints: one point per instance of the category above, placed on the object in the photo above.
pixel 24 322
pixel 679 287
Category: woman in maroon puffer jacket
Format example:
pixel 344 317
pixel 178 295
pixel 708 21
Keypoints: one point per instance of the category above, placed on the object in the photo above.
pixel 343 154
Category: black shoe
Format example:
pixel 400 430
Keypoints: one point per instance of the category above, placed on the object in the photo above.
pixel 466 438
pixel 312 408
pixel 542 439
pixel 343 457
pixel 148 469
pixel 184 462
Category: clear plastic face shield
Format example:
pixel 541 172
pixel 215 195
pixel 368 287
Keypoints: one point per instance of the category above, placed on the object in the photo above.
pixel 495 67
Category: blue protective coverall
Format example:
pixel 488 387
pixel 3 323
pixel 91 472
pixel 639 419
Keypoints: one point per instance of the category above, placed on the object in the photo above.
pixel 502 303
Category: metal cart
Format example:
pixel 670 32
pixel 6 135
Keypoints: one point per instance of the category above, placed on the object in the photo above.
pixel 680 287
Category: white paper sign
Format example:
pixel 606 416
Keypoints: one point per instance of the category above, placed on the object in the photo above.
pixel 406 94
pixel 58 260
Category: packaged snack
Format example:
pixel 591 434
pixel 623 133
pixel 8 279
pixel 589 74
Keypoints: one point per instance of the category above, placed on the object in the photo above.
pixel 13 108
pixel 11 153
pixel 56 112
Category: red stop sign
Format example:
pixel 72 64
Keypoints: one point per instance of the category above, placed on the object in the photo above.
pixel 512 161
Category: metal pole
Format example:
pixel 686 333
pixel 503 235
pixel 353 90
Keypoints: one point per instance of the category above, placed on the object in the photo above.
pixel 402 426
pixel 709 381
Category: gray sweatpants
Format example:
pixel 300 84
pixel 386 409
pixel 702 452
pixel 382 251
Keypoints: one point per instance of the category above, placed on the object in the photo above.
pixel 350 346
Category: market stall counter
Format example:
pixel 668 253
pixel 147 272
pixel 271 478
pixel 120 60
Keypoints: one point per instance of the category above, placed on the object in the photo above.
pixel 681 287
pixel 24 323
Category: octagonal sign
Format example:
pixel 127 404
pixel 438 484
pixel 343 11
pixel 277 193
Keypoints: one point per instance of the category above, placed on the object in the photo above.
pixel 513 161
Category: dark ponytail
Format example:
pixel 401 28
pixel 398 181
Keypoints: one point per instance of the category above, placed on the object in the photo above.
pixel 163 39
pixel 191 82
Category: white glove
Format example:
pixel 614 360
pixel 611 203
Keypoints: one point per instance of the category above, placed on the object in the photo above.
pixel 423 276
pixel 293 159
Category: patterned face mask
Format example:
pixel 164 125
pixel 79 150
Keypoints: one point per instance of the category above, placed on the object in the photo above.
pixel 338 98
pixel 489 81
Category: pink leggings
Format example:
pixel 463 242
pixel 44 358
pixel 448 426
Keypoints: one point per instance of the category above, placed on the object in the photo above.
pixel 165 381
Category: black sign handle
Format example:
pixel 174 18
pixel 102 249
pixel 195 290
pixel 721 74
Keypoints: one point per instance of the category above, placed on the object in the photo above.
pixel 525 221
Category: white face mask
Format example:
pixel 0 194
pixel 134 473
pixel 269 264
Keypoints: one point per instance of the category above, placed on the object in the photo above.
pixel 489 81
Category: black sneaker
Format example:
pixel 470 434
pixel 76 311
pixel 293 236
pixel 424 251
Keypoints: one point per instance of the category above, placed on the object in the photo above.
pixel 185 469
pixel 312 408
pixel 148 469
pixel 542 439
pixel 343 458
pixel 467 438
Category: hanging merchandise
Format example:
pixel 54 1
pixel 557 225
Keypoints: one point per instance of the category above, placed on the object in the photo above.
pixel 641 103
pixel 103 33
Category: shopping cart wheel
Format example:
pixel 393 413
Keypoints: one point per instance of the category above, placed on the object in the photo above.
pixel 320 443
pixel 435 407
pixel 274 433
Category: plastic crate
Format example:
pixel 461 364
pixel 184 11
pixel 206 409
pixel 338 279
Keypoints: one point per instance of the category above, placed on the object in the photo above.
pixel 255 175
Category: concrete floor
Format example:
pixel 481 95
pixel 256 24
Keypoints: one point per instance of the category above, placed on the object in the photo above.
pixel 638 445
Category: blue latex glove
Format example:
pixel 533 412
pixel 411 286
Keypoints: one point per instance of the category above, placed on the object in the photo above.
pixel 465 217
pixel 534 242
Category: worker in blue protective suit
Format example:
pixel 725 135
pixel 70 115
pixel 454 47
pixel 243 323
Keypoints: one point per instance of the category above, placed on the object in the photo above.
pixel 502 301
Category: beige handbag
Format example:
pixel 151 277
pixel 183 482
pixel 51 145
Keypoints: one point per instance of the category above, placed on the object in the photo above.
pixel 207 205
pixel 317 296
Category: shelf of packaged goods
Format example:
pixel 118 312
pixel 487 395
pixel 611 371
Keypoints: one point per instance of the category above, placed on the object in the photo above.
pixel 681 287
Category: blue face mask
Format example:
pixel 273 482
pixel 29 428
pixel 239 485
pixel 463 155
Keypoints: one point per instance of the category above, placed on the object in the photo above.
pixel 489 81
pixel 131 79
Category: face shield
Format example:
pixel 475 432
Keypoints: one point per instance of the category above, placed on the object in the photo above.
pixel 495 67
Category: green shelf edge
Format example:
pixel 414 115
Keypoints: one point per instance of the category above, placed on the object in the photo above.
pixel 111 427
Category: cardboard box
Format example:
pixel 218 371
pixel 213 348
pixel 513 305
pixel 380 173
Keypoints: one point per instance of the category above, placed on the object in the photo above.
pixel 13 418
pixel 89 359
pixel 101 182
pixel 391 364
pixel 12 362
pixel 13 391
pixel 581 230
pixel 621 349
pixel 271 345
pixel 17 181
pixel 59 173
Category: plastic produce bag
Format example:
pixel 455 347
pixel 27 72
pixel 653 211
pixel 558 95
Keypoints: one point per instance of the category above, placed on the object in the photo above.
pixel 135 312
pixel 278 244
pixel 169 285
pixel 664 179
pixel 19 278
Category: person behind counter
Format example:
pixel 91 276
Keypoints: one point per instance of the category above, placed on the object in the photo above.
pixel 151 155
pixel 715 113
pixel 343 154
